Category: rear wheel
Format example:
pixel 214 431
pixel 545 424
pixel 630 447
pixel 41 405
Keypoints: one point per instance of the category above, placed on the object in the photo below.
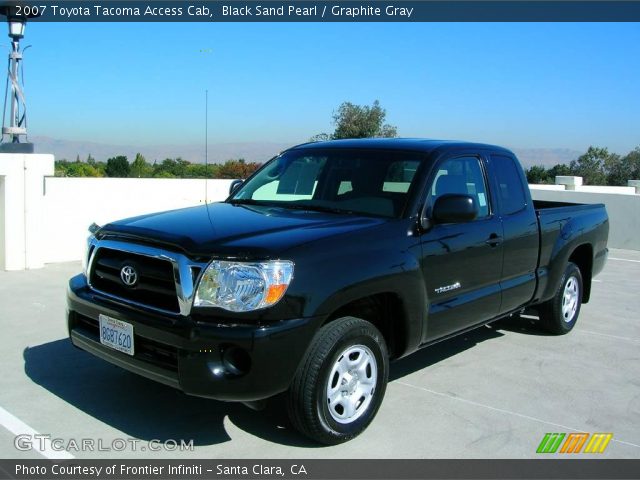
pixel 560 314
pixel 340 384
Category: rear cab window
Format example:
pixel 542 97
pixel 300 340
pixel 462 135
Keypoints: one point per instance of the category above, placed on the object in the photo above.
pixel 511 192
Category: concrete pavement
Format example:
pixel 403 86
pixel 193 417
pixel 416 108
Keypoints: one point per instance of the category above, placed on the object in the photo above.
pixel 491 393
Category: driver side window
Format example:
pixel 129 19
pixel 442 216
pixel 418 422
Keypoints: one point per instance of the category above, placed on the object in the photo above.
pixel 461 175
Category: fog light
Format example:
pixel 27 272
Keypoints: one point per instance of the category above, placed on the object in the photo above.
pixel 236 360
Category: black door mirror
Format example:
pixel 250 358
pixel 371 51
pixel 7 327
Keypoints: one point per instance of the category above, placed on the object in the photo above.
pixel 454 208
pixel 235 185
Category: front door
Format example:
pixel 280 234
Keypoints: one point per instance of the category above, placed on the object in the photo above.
pixel 461 262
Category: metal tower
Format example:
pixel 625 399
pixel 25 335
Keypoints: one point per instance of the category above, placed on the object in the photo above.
pixel 17 128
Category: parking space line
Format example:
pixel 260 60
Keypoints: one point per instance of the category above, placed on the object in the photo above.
pixel 501 410
pixel 624 259
pixel 616 337
pixel 18 427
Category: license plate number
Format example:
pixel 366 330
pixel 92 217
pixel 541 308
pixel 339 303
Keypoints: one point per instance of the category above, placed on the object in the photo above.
pixel 116 334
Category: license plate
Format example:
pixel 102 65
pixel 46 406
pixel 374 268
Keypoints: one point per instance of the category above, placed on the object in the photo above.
pixel 116 334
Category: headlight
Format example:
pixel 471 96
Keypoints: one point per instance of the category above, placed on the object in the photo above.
pixel 241 287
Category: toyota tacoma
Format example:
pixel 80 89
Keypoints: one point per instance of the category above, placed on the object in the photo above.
pixel 333 259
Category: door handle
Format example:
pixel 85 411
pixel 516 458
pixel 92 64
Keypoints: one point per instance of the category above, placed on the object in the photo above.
pixel 494 240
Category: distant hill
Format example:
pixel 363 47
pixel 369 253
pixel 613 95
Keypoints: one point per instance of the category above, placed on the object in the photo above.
pixel 218 152
pixel 547 157
pixel 250 151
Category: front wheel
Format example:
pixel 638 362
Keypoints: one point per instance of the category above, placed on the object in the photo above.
pixel 560 314
pixel 341 382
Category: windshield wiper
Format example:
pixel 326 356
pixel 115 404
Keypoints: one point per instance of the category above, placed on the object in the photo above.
pixel 316 208
pixel 245 201
pixel 292 206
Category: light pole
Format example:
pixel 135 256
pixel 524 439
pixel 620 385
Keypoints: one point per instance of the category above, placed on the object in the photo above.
pixel 17 128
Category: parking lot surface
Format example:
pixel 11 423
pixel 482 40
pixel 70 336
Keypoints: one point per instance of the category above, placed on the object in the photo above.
pixel 491 393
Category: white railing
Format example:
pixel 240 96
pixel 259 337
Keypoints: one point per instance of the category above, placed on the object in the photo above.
pixel 623 206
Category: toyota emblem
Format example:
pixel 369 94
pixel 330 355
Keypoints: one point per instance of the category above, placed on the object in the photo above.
pixel 128 275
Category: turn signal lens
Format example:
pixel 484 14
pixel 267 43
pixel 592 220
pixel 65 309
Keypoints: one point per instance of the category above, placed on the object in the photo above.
pixel 275 293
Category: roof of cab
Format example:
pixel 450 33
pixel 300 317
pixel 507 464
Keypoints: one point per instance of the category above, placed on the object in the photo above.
pixel 419 144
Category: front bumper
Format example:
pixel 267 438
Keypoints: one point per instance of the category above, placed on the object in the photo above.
pixel 200 357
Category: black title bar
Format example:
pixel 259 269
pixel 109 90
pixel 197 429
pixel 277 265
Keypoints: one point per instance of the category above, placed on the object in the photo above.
pixel 317 469
pixel 331 11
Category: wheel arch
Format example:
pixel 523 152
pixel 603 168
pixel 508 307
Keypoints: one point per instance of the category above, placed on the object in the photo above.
pixel 387 312
pixel 582 257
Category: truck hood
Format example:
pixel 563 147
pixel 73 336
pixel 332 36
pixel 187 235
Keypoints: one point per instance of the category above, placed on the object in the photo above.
pixel 242 231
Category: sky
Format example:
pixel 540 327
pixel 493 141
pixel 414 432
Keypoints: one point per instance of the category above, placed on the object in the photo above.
pixel 523 85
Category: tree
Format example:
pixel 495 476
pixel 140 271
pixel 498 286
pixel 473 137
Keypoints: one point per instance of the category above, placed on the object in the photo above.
pixel 200 170
pixel 321 137
pixel 558 169
pixel 181 167
pixel 163 174
pixel 81 169
pixel 63 168
pixel 359 121
pixel 118 167
pixel 590 166
pixel 140 168
pixel 633 158
pixel 177 168
pixel 537 174
pixel 60 168
pixel 237 169
pixel 100 167
pixel 620 170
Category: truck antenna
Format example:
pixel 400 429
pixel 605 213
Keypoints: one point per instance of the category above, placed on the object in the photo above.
pixel 206 146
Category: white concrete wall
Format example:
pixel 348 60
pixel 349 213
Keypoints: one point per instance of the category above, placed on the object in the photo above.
pixel 2 224
pixel 547 186
pixel 587 188
pixel 606 189
pixel 623 210
pixel 44 219
pixel 21 201
pixel 72 204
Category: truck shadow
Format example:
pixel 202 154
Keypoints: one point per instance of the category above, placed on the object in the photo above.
pixel 136 406
pixel 527 323
pixel 143 409
pixel 146 410
pixel 440 351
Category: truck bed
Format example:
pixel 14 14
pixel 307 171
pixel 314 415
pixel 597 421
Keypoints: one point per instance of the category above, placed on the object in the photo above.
pixel 547 204
pixel 565 227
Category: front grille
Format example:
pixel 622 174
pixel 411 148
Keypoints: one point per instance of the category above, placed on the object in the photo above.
pixel 155 284
pixel 147 350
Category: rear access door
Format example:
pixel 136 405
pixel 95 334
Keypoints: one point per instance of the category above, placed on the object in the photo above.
pixel 520 231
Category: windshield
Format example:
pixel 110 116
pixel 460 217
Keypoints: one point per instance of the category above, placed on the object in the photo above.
pixel 341 181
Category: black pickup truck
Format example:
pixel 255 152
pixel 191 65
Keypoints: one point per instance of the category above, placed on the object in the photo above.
pixel 331 260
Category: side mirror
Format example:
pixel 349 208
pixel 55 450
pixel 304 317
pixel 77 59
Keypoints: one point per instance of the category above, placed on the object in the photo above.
pixel 93 228
pixel 234 186
pixel 454 208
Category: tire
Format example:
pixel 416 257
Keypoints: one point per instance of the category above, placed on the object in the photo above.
pixel 560 314
pixel 348 361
